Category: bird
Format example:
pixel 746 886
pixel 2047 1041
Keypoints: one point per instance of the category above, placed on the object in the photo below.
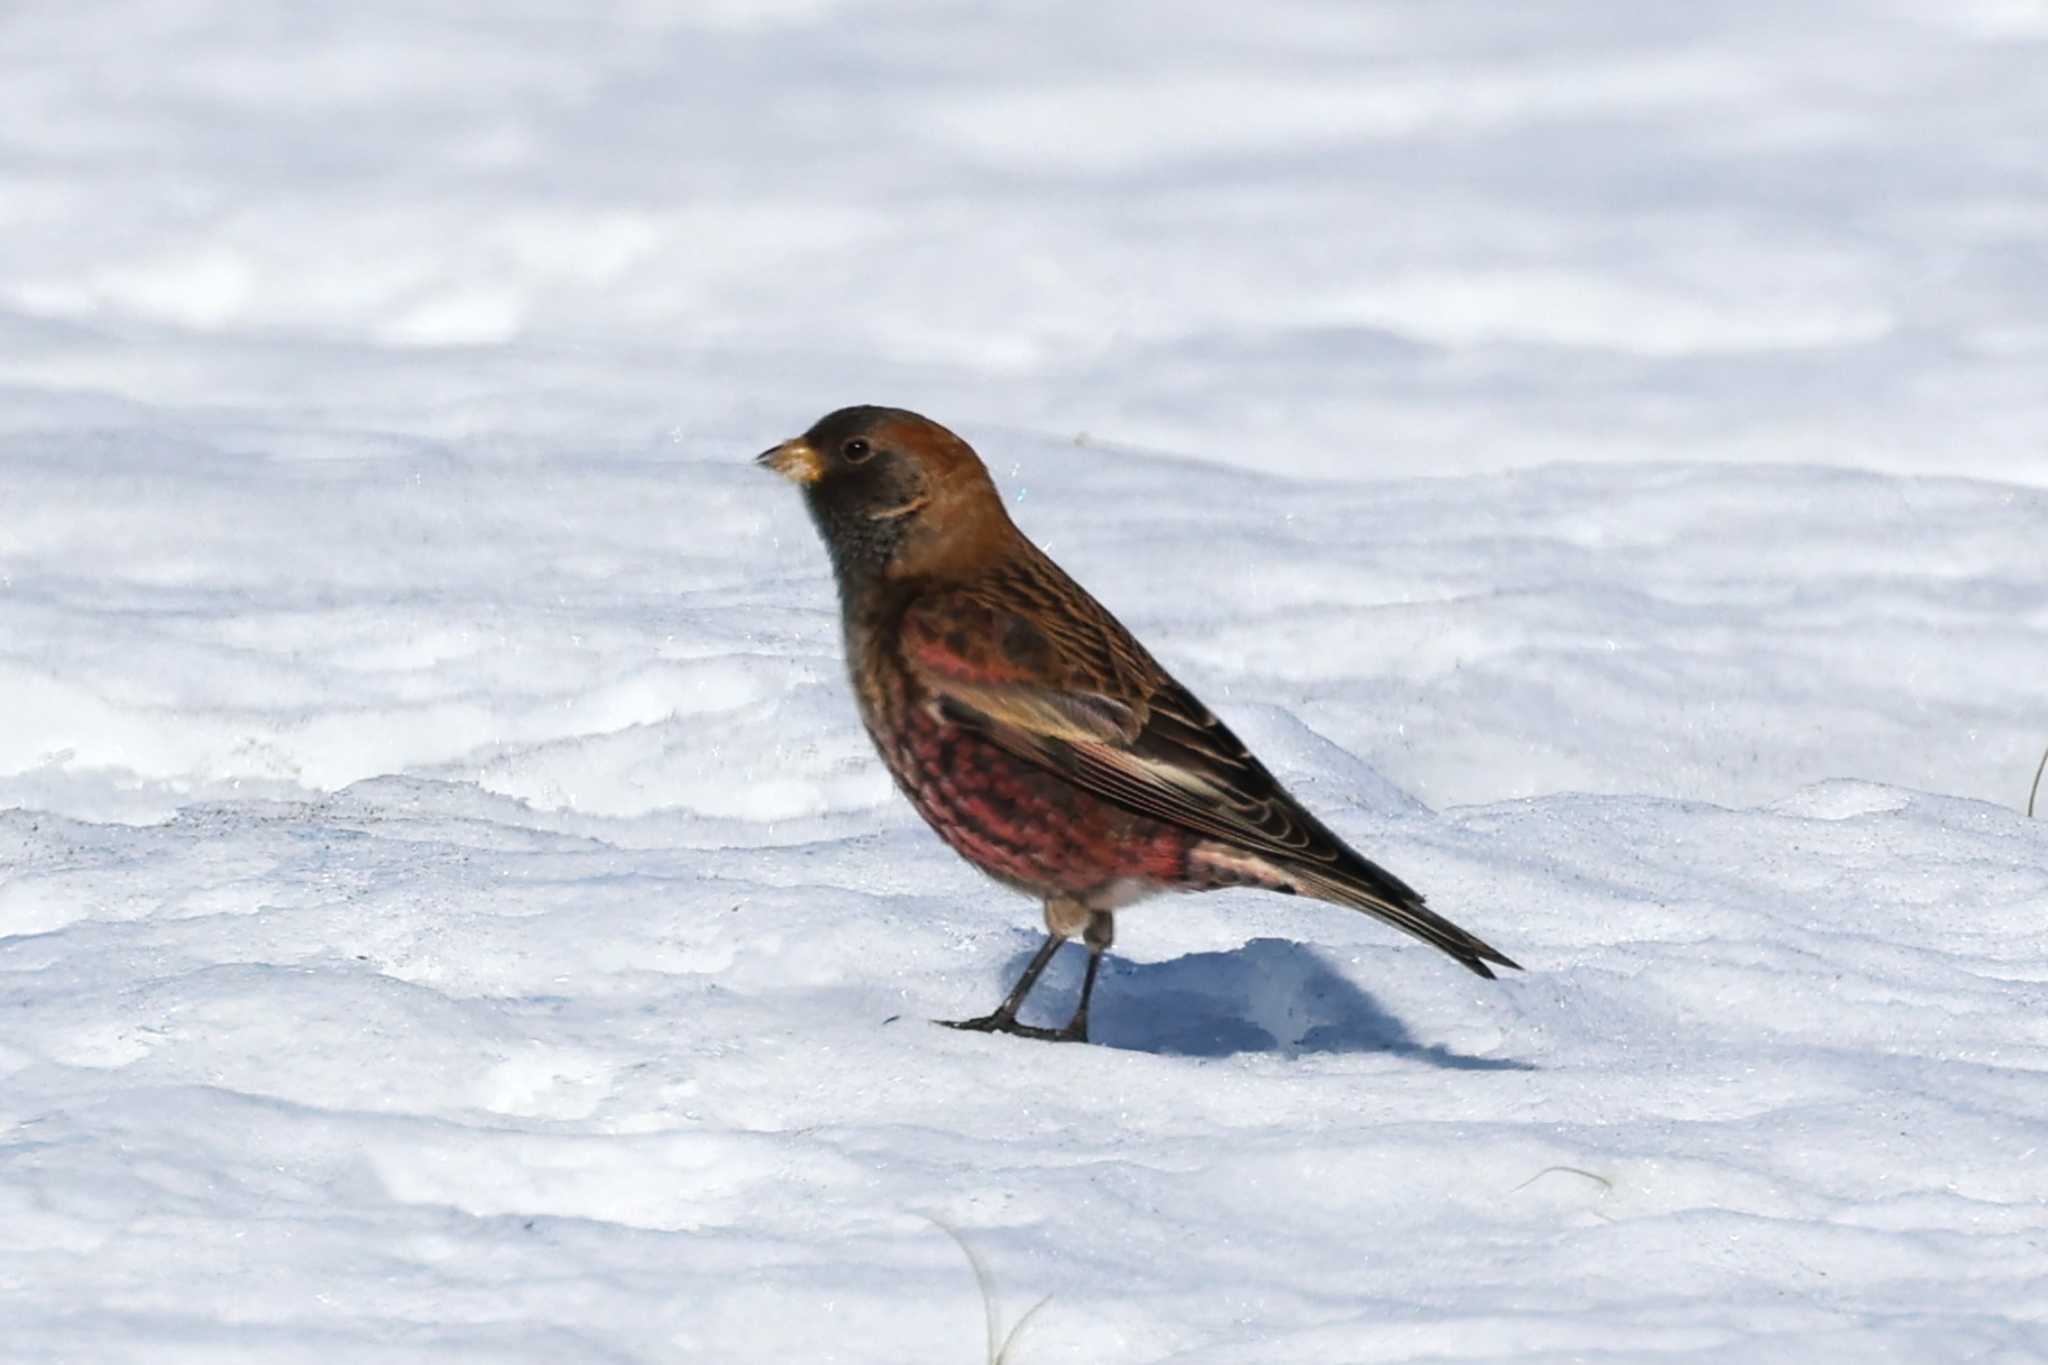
pixel 1031 730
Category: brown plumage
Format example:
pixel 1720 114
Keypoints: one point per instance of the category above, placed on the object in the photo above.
pixel 1029 728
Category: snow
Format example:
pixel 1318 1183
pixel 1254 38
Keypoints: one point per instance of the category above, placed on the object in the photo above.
pixel 1595 452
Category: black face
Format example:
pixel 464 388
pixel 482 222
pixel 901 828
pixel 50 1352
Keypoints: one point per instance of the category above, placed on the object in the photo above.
pixel 865 490
pixel 847 438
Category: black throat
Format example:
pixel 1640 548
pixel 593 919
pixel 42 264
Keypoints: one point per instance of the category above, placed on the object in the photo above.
pixel 861 545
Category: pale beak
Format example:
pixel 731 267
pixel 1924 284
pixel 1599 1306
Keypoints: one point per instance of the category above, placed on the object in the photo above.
pixel 793 460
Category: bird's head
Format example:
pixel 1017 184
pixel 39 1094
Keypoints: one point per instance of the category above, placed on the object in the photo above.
pixel 894 494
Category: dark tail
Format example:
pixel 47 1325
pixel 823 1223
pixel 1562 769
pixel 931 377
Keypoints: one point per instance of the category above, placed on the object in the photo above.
pixel 1363 885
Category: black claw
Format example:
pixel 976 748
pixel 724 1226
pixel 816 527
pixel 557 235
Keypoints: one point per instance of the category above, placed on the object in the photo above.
pixel 988 1023
pixel 999 1023
pixel 1004 1020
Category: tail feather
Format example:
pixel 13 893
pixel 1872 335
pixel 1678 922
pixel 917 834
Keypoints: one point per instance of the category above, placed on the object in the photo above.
pixel 1359 884
pixel 1396 904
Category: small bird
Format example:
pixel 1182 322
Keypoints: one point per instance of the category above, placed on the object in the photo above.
pixel 1028 727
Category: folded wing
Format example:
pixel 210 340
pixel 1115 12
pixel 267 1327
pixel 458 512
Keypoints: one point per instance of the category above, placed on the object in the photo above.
pixel 1071 691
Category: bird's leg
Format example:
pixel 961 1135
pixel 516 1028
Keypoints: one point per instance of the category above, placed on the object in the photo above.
pixel 1101 932
pixel 1004 1020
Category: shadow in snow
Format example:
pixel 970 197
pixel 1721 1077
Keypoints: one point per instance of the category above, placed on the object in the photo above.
pixel 1272 995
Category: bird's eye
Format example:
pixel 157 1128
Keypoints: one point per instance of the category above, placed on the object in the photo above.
pixel 856 450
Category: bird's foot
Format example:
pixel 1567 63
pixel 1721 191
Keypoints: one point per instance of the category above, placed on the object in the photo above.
pixel 999 1022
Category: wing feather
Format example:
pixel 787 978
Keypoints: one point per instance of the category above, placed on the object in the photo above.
pixel 1084 700
pixel 1042 669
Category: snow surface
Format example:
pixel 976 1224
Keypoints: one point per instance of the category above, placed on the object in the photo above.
pixel 1597 452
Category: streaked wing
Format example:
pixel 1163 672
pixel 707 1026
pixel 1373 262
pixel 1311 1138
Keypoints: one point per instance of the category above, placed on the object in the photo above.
pixel 1082 699
pixel 1033 662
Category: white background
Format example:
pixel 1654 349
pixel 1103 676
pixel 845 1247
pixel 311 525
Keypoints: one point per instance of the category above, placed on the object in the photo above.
pixel 1597 453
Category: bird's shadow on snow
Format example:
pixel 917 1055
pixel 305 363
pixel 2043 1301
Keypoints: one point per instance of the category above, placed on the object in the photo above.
pixel 1271 995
